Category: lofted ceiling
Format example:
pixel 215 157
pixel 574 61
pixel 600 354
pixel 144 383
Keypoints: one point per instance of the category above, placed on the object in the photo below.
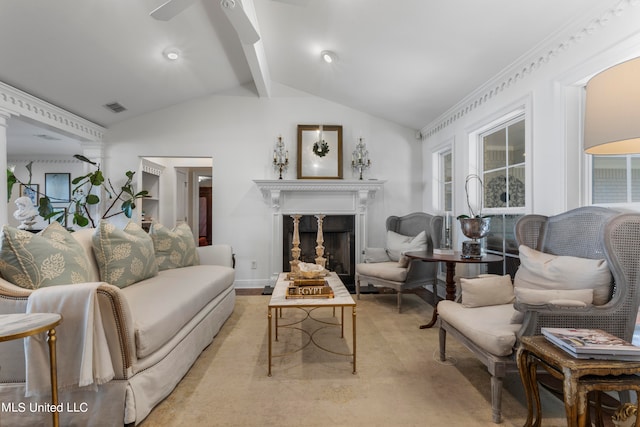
pixel 407 61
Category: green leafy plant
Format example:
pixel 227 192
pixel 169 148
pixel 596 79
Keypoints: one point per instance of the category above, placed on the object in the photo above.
pixel 83 195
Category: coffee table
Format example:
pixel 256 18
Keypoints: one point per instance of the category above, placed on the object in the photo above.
pixel 342 298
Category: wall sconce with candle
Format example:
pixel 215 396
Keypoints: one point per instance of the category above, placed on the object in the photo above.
pixel 280 158
pixel 360 158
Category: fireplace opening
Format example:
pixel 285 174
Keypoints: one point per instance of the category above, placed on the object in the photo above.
pixel 338 232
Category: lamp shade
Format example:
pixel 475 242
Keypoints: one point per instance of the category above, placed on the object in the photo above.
pixel 612 112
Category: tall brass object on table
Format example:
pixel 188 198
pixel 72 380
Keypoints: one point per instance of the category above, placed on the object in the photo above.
pixel 474 228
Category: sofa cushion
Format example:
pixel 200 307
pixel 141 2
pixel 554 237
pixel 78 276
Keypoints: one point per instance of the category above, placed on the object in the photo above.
pixel 163 305
pixel 488 327
pixel 85 238
pixel 487 290
pixel 389 270
pixel 397 244
pixel 174 248
pixel 51 257
pixel 124 256
pixel 539 270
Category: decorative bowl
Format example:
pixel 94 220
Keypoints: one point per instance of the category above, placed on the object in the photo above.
pixel 475 228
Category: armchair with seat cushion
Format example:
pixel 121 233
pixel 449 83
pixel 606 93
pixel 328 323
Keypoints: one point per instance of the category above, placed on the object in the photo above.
pixel 578 269
pixel 388 268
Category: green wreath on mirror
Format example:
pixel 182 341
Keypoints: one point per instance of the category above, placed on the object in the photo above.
pixel 320 148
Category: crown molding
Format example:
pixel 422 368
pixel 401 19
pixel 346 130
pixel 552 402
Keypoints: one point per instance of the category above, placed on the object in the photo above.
pixel 50 160
pixel 524 68
pixel 20 103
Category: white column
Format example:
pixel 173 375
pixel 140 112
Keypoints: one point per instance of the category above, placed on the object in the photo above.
pixel 4 196
pixel 276 236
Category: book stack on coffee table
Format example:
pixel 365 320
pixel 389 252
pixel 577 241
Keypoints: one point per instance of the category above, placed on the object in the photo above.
pixel 592 344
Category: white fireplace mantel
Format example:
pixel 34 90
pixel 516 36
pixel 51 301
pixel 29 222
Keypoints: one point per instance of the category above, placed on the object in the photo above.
pixel 317 196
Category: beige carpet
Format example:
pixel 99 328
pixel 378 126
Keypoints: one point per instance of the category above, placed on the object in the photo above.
pixel 399 381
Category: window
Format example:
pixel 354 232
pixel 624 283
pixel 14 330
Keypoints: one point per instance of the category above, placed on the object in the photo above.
pixel 503 165
pixel 446 181
pixel 503 174
pixel 615 179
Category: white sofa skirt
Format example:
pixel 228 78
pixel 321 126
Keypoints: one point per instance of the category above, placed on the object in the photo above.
pixel 121 402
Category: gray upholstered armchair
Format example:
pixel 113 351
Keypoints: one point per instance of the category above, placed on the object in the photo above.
pixel 604 238
pixel 386 267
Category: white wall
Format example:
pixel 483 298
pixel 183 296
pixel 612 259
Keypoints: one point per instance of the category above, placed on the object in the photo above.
pixel 547 82
pixel 239 131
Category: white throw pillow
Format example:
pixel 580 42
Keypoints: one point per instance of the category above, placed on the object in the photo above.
pixel 397 244
pixel 374 255
pixel 544 271
pixel 490 289
pixel 573 298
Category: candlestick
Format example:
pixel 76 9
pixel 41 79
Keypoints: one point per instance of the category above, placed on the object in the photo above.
pixel 280 157
pixel 360 158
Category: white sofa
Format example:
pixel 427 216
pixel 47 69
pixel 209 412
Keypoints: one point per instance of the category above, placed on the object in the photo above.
pixel 155 330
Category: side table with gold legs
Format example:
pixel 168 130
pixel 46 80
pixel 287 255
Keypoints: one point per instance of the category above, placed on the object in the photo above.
pixel 579 377
pixel 22 325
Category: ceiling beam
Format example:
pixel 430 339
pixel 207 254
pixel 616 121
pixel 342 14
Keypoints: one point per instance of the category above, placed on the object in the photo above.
pixel 256 56
pixel 257 60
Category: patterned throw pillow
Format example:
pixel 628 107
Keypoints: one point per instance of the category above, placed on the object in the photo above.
pixel 174 248
pixel 124 256
pixel 51 257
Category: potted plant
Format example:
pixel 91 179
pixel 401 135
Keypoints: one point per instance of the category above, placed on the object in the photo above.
pixel 83 196
pixel 474 226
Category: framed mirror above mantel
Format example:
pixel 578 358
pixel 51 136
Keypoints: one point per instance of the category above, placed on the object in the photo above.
pixel 319 152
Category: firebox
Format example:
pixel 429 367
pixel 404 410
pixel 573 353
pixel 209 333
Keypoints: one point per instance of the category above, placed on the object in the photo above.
pixel 338 232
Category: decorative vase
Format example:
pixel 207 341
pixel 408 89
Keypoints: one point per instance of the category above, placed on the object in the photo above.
pixel 474 228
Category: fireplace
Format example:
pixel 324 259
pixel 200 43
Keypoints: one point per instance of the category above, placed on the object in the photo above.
pixel 338 233
pixel 330 197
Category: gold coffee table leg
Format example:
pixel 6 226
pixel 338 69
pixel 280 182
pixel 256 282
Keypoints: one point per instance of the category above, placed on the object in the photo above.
pixel 353 327
pixel 54 374
pixel 269 322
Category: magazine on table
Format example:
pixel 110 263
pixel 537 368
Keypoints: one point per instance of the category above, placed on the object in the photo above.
pixel 592 344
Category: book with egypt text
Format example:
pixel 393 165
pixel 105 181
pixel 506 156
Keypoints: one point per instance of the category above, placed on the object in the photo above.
pixel 592 344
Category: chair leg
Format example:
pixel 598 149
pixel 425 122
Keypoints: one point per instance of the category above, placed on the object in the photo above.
pixel 442 334
pixel 496 398
pixel 357 287
pixel 399 300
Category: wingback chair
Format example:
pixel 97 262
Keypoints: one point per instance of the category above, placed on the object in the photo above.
pixel 387 268
pixel 491 332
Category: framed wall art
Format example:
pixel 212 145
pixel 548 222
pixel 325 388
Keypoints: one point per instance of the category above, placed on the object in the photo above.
pixel 31 191
pixel 57 187
pixel 61 215
pixel 319 152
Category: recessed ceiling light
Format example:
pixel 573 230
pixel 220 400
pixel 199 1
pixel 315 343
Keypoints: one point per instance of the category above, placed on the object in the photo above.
pixel 328 56
pixel 171 53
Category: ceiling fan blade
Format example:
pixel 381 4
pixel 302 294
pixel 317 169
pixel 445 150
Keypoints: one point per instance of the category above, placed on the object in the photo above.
pixel 169 9
pixel 240 21
pixel 294 2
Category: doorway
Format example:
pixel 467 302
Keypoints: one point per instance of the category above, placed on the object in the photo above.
pixel 179 194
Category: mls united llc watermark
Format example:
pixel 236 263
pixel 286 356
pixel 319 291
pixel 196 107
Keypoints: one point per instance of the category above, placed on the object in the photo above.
pixel 21 407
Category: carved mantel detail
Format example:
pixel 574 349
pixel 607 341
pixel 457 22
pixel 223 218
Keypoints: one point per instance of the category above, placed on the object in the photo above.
pixel 273 189
pixel 316 197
